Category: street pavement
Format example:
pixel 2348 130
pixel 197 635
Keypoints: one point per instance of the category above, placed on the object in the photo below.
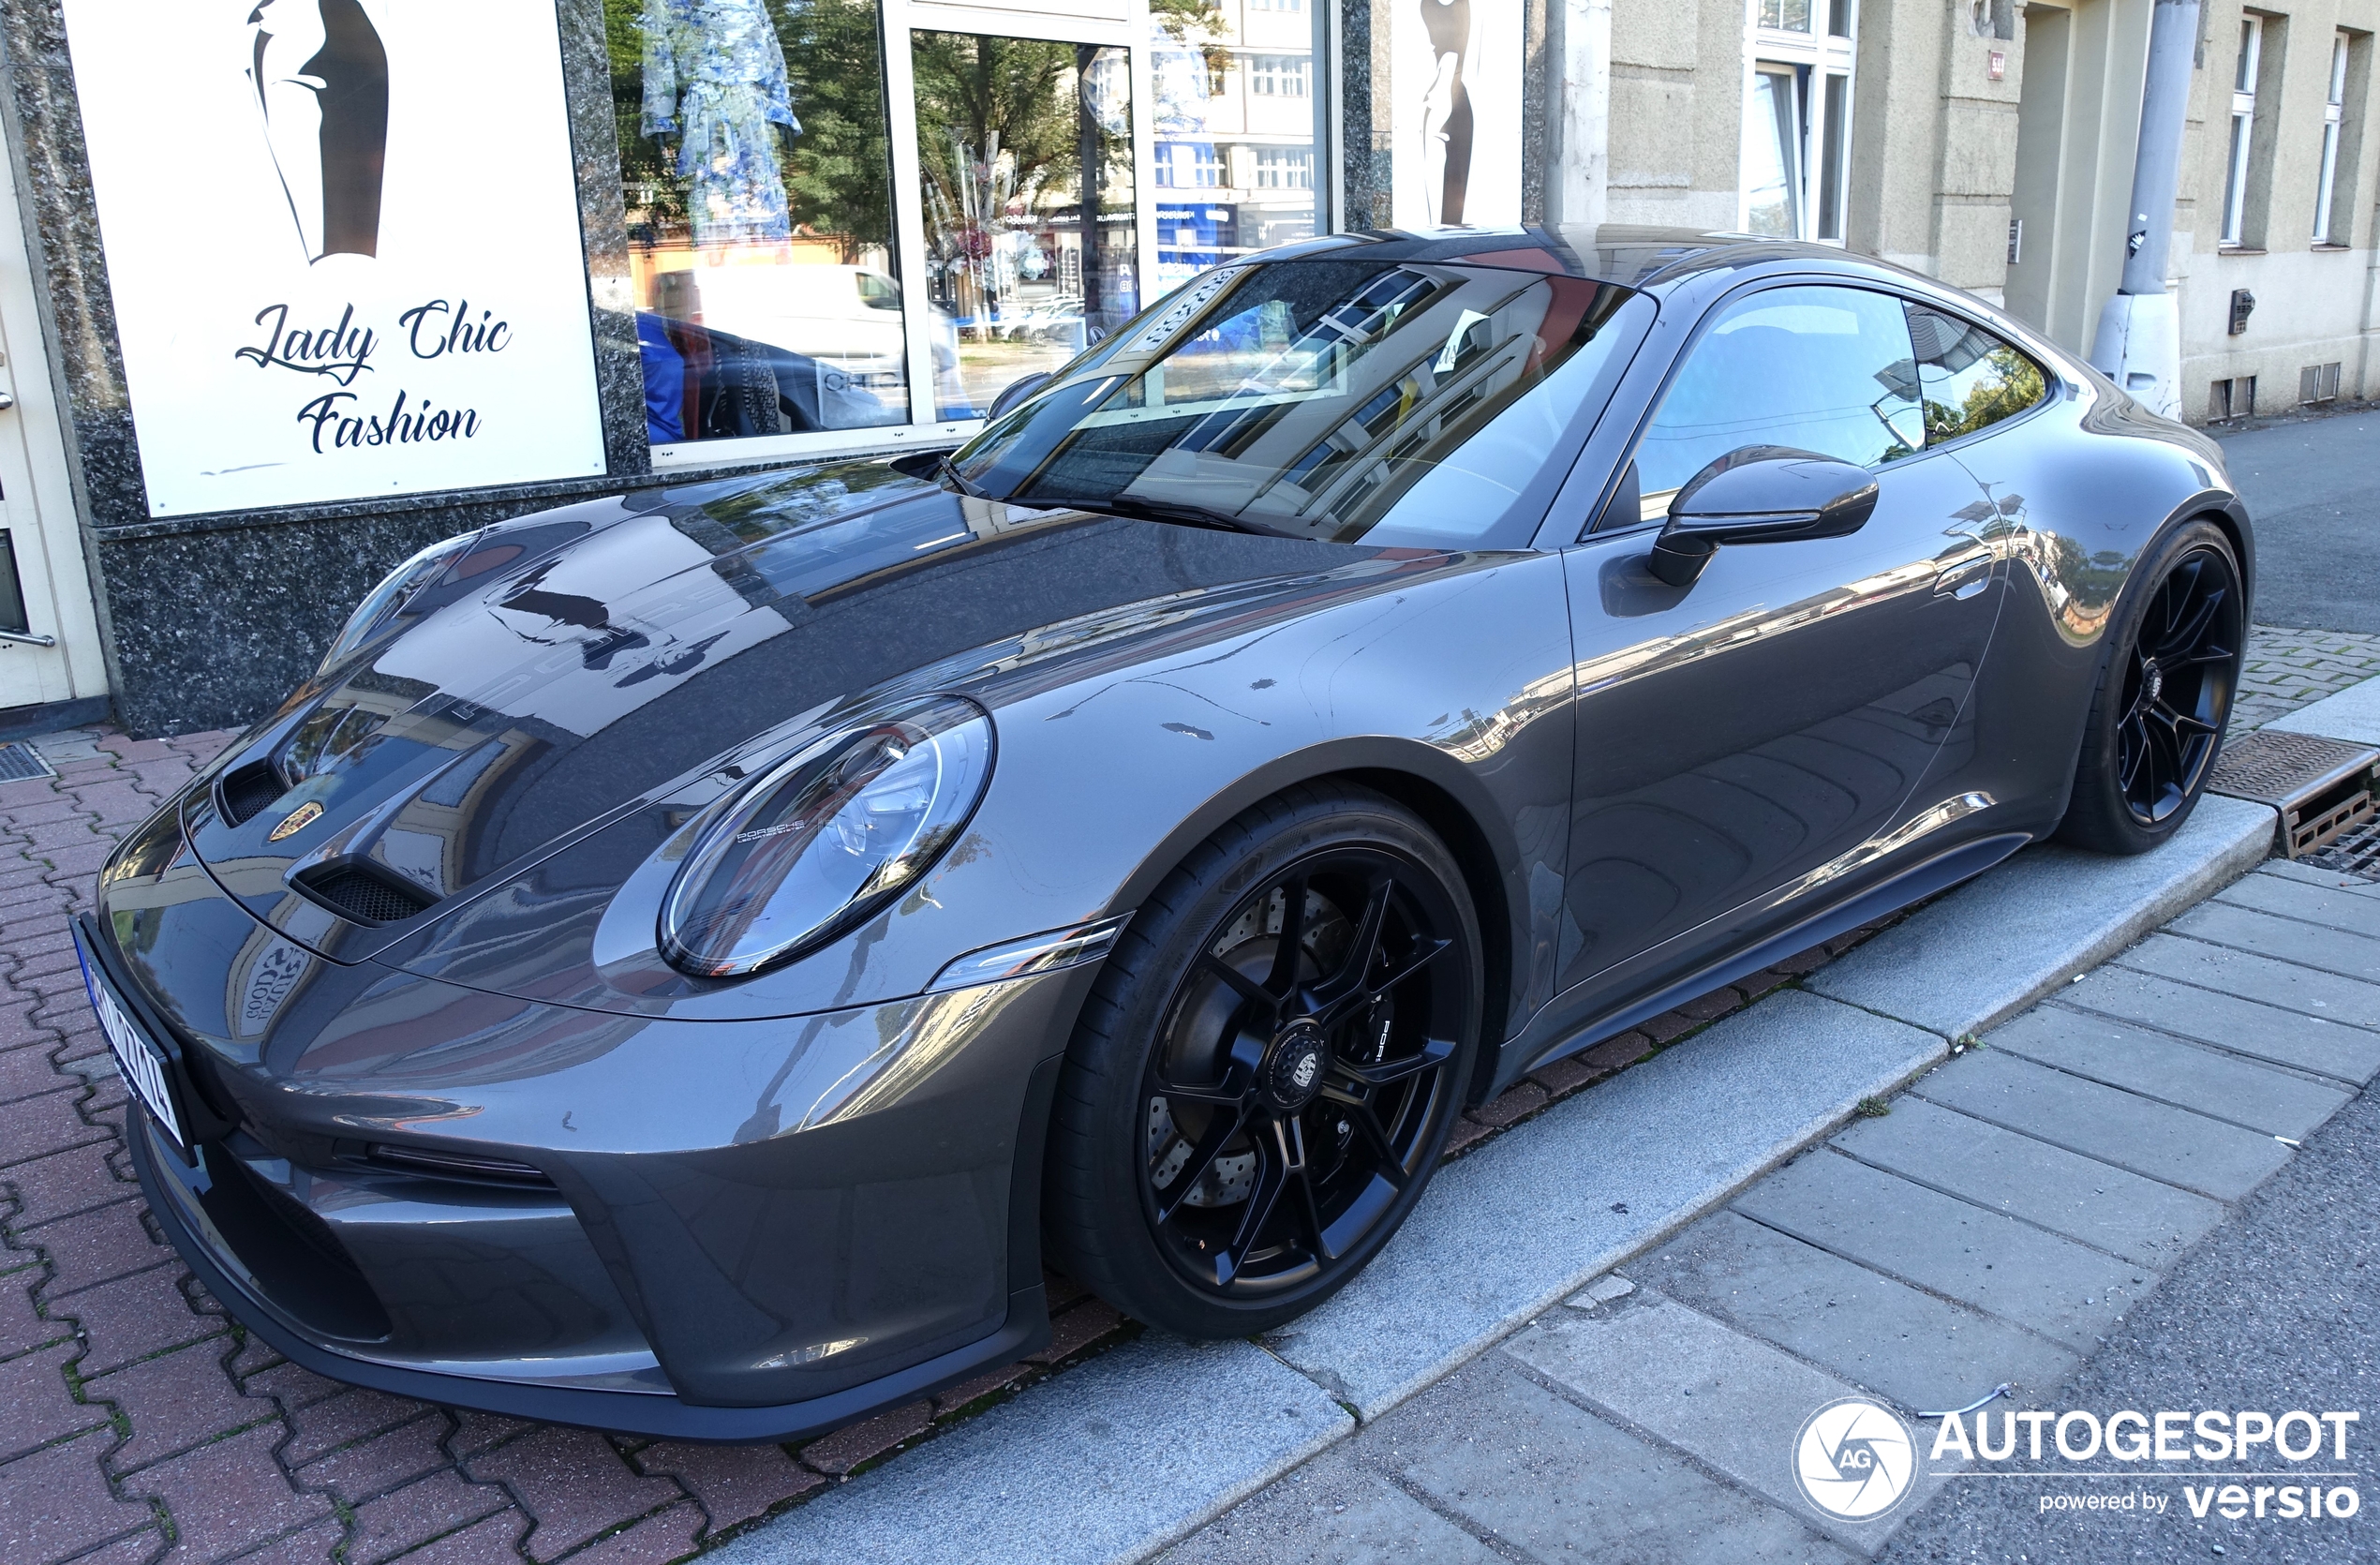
pixel 2312 485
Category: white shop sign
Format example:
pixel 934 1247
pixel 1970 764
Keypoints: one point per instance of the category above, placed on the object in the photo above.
pixel 1455 115
pixel 343 242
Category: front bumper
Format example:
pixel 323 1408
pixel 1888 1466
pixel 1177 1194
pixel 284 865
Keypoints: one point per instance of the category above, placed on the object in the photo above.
pixel 728 1231
pixel 194 1224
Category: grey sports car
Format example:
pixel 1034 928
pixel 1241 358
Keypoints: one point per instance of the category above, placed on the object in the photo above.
pixel 686 960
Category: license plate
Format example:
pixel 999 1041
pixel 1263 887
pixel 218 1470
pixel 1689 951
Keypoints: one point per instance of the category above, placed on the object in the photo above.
pixel 143 1066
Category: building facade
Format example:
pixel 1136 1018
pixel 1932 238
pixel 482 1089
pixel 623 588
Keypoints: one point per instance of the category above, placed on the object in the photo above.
pixel 295 289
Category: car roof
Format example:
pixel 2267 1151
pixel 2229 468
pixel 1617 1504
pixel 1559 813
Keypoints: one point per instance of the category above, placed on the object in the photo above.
pixel 1653 258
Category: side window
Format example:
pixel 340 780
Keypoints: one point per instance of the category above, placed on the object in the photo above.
pixel 1972 379
pixel 1822 369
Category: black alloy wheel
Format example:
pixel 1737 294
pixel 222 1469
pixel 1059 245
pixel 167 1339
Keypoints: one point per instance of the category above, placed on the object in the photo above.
pixel 2157 720
pixel 1292 1094
pixel 2177 685
pixel 1269 1066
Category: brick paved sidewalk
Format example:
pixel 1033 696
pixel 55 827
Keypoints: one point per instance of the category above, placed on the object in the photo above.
pixel 2285 669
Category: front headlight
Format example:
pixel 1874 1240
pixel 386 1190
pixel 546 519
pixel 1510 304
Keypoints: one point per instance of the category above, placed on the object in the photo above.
pixel 386 599
pixel 825 838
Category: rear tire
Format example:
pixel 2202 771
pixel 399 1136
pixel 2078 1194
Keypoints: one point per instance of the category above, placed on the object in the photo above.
pixel 2165 694
pixel 1265 1074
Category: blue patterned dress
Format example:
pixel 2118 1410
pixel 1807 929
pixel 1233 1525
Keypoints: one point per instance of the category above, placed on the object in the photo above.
pixel 715 79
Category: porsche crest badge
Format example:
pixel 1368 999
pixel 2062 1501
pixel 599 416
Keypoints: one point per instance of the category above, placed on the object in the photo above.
pixel 296 821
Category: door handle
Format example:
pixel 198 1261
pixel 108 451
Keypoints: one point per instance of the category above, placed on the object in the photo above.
pixel 1964 579
pixel 8 400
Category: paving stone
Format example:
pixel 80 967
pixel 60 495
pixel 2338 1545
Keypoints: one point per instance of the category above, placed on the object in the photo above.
pixel 58 1503
pixel 477 1432
pixel 1334 1510
pixel 2005 1268
pixel 492 1542
pixel 1076 1328
pixel 1996 945
pixel 134 1317
pixel 429 1507
pixel 138 1548
pixel 353 1415
pixel 2221 1086
pixel 1108 1461
pixel 2353 713
pixel 2263 979
pixel 733 1482
pixel 653 1540
pixel 17 1025
pixel 950 1401
pixel 2246 928
pixel 292 1386
pixel 837 1453
pixel 227 1495
pixel 67 1183
pixel 1556 1481
pixel 1919 1351
pixel 382 1462
pixel 313 1546
pixel 26 1072
pixel 572 1483
pixel 1466 1132
pixel 1724 1398
pixel 95 1247
pixel 176 1400
pixel 2244 1026
pixel 1523 1223
pixel 33 1127
pixel 1514 1103
pixel 35 1405
pixel 20 1329
pixel 2144 1221
pixel 2113 1126
pixel 2312 901
pixel 2309 874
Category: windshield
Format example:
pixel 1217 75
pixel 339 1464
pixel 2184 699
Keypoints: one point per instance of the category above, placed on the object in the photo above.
pixel 1396 402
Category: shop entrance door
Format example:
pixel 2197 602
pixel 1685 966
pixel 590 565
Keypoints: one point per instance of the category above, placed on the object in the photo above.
pixel 50 654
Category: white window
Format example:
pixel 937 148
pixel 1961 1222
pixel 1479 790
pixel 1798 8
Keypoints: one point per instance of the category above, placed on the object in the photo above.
pixel 1295 6
pixel 1797 117
pixel 2332 110
pixel 1285 168
pixel 1206 165
pixel 2244 125
pixel 1280 75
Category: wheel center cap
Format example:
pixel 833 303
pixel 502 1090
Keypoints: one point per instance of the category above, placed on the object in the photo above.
pixel 2152 682
pixel 1294 1074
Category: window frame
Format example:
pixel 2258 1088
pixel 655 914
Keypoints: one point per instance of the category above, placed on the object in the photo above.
pixel 2234 211
pixel 2055 385
pixel 1815 59
pixel 2333 131
pixel 1130 26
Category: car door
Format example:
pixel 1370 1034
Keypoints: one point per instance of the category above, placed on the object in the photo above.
pixel 1757 734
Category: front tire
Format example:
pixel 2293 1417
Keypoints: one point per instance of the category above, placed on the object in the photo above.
pixel 1264 1076
pixel 2164 695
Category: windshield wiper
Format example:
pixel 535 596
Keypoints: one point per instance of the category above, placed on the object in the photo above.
pixel 1170 511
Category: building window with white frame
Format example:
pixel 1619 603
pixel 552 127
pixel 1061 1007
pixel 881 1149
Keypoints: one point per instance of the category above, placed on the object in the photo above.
pixel 2243 127
pixel 1280 75
pixel 2333 113
pixel 1285 168
pixel 1798 114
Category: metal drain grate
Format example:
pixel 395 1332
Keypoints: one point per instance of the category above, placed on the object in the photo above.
pixel 21 763
pixel 2357 853
pixel 2322 787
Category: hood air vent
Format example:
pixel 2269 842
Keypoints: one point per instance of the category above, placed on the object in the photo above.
pixel 363 893
pixel 245 793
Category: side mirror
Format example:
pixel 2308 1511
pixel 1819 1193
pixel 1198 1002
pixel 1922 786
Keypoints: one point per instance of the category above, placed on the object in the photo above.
pixel 1016 391
pixel 1761 493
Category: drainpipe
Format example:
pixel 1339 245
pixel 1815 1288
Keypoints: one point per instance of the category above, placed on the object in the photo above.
pixel 2139 340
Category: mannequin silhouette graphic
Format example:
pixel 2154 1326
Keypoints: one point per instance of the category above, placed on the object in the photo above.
pixel 320 77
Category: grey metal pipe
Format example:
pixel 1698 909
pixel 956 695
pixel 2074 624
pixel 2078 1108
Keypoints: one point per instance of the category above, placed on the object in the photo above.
pixel 2156 173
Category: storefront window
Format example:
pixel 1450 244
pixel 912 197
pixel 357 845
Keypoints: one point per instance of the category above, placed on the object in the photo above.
pixel 1024 149
pixel 754 166
pixel 1234 124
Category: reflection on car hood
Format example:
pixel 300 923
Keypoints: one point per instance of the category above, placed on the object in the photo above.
pixel 622 649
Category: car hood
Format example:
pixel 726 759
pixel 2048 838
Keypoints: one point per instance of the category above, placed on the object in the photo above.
pixel 613 650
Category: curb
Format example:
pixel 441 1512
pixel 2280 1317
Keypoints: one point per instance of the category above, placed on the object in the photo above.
pixel 1139 1448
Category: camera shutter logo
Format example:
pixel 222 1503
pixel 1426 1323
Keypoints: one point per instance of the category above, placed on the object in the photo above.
pixel 1854 1460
